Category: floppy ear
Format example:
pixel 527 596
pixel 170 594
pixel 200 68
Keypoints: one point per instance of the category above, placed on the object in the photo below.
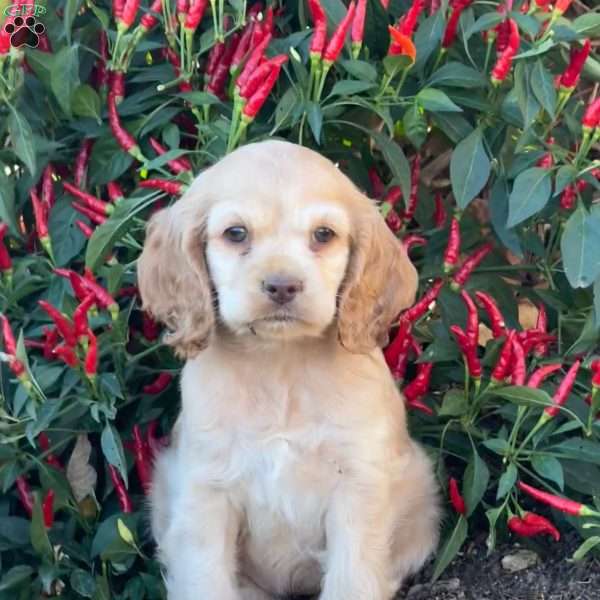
pixel 173 278
pixel 380 282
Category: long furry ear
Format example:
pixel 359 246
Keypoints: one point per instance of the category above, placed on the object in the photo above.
pixel 380 282
pixel 173 278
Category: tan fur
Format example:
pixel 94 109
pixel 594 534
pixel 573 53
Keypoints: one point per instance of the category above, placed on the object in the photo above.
pixel 291 468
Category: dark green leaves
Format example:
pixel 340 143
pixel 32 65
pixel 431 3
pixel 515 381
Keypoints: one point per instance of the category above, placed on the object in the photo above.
pixel 451 547
pixel 543 88
pixel 469 168
pixel 436 101
pixel 580 245
pixel 477 476
pixel 396 161
pixel 530 194
pixel 526 97
pixel 21 137
pixel 454 74
pixel 113 450
pixel 86 102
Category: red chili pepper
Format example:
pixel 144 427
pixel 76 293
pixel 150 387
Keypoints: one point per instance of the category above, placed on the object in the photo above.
pixel 547 161
pixel 401 45
pixel 494 314
pixel 570 76
pixel 260 75
pixel 103 298
pixel 541 374
pixel 10 344
pixel 336 43
pixel 505 60
pixel 519 367
pixel 5 44
pixel 395 348
pixel 541 326
pixel 25 496
pixel 130 291
pixel 159 384
pixel 561 6
pixel 149 19
pixel 117 9
pixel 5 259
pixel 377 187
pixel 453 247
pixel 409 213
pixel 51 458
pixel 502 31
pixel 591 117
pixel 80 317
pixel 143 459
pixel 456 499
pixel 177 165
pixel 531 338
pixel 418 387
pixel 47 193
pixel 469 352
pixel 470 264
pixel 97 205
pixel 439 213
pixel 319 38
pixel 81 162
pixel 472 330
pixel 67 354
pixel 75 281
pixel 218 79
pixel 568 197
pixel 115 192
pixel 562 504
pixel 393 195
pixel 562 393
pixel 256 102
pixel 408 22
pixel 116 85
pixel 500 371
pixel 40 214
pixel 452 25
pixel 422 306
pixel 175 188
pixel 531 525
pixel 121 491
pixel 130 10
pixel 195 14
pixel 595 367
pixel 393 221
pixel 51 337
pixel 92 215
pixel 181 8
pixel 358 27
pixel 253 62
pixel 413 240
pixel 150 328
pixel 65 328
pixel 125 140
pixel 243 48
pixel 48 509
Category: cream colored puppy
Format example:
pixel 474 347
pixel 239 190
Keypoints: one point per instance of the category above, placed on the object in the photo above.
pixel 291 469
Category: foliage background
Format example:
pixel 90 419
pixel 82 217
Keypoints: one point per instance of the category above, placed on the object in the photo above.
pixel 479 147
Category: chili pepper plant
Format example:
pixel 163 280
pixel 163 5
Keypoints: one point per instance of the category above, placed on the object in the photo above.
pixel 473 125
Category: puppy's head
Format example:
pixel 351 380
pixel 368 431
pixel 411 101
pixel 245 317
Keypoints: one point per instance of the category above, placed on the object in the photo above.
pixel 275 242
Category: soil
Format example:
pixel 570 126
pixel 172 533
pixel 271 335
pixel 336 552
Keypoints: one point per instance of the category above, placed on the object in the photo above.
pixel 475 576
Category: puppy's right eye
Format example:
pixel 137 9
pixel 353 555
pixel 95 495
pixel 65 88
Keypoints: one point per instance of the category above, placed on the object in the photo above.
pixel 237 234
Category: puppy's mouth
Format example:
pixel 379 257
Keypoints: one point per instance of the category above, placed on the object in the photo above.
pixel 280 318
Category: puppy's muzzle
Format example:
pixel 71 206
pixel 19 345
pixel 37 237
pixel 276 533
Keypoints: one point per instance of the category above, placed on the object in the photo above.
pixel 282 289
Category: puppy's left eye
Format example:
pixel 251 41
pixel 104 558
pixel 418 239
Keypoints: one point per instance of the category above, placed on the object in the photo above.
pixel 323 235
pixel 237 234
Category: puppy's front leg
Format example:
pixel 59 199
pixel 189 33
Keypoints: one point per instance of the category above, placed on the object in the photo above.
pixel 358 527
pixel 200 546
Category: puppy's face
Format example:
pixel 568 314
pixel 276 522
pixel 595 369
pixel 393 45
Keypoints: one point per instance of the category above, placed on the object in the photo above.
pixel 279 244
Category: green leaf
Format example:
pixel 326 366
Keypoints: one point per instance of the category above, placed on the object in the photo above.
pixel 498 445
pixel 530 194
pixel 83 583
pixel 537 50
pixel 70 12
pixel 86 102
pixel 348 87
pixel 393 64
pixel 578 449
pixel 360 70
pixel 38 534
pixel 499 215
pixel 67 239
pixel 543 88
pixel 199 98
pixel 564 176
pixel 454 404
pixel 396 160
pixel 113 229
pixel 415 125
pixel 484 23
pixel 506 481
pixel 524 396
pixel 315 120
pixel 492 515
pixel 64 76
pixel 586 547
pixel 597 302
pixel 526 99
pixel 21 137
pixel 455 74
pixel 113 450
pixel 436 101
pixel 587 24
pixel 453 125
pixel 428 38
pixel 469 168
pixel 580 246
pixel 476 481
pixel 8 213
pixel 15 577
pixel 451 547
pixel 550 468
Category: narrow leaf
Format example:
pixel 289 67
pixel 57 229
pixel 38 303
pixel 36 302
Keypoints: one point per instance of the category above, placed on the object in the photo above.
pixel 469 168
pixel 530 194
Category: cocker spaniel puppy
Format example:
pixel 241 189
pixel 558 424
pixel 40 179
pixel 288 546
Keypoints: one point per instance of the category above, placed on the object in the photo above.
pixel 291 470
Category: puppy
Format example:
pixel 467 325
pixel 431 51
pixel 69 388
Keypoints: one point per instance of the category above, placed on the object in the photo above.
pixel 291 470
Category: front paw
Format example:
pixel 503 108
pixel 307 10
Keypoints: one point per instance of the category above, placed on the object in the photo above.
pixel 196 590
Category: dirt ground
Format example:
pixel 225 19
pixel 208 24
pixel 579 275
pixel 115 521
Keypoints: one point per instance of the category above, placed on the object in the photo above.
pixel 475 576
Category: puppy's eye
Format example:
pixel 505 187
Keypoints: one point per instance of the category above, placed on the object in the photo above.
pixel 323 235
pixel 237 234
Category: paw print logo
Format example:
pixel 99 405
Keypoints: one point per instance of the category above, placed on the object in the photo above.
pixel 24 32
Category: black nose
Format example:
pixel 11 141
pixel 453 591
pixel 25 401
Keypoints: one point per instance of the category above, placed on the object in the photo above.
pixel 281 289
